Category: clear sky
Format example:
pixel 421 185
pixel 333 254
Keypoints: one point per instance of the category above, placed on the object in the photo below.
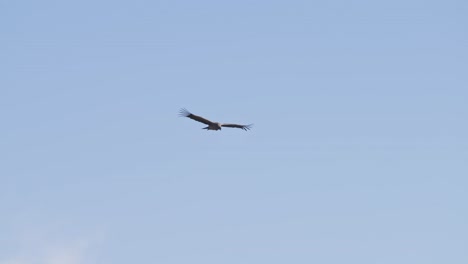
pixel 358 154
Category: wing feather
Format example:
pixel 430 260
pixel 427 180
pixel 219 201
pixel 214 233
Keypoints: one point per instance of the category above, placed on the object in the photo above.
pixel 185 113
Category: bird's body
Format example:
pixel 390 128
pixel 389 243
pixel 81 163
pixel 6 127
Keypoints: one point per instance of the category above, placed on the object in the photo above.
pixel 211 125
pixel 214 126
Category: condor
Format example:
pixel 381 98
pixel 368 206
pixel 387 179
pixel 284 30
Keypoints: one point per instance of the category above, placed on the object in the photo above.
pixel 211 125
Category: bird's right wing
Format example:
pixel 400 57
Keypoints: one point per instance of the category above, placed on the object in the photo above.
pixel 244 127
pixel 184 112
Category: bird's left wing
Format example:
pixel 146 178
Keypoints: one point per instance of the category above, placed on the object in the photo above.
pixel 184 112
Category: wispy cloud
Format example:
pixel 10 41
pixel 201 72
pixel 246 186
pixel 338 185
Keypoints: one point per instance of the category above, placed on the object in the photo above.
pixel 44 250
pixel 65 254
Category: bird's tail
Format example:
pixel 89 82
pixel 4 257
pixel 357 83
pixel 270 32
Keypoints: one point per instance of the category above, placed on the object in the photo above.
pixel 206 128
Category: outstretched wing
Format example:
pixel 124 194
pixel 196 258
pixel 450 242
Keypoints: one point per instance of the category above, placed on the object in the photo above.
pixel 245 127
pixel 184 112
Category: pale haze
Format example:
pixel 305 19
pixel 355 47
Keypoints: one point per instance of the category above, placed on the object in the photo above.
pixel 358 153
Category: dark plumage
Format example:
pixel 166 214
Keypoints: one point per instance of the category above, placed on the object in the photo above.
pixel 211 125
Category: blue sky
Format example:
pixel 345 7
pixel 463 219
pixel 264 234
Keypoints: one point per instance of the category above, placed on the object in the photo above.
pixel 359 152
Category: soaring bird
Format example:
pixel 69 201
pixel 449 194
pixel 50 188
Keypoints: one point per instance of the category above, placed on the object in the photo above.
pixel 211 125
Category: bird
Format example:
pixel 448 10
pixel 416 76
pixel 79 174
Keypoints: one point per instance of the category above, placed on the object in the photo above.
pixel 211 125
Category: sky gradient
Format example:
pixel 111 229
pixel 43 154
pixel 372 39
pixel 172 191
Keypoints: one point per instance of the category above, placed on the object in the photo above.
pixel 358 154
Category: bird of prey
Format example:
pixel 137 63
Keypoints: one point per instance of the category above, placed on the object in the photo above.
pixel 211 125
